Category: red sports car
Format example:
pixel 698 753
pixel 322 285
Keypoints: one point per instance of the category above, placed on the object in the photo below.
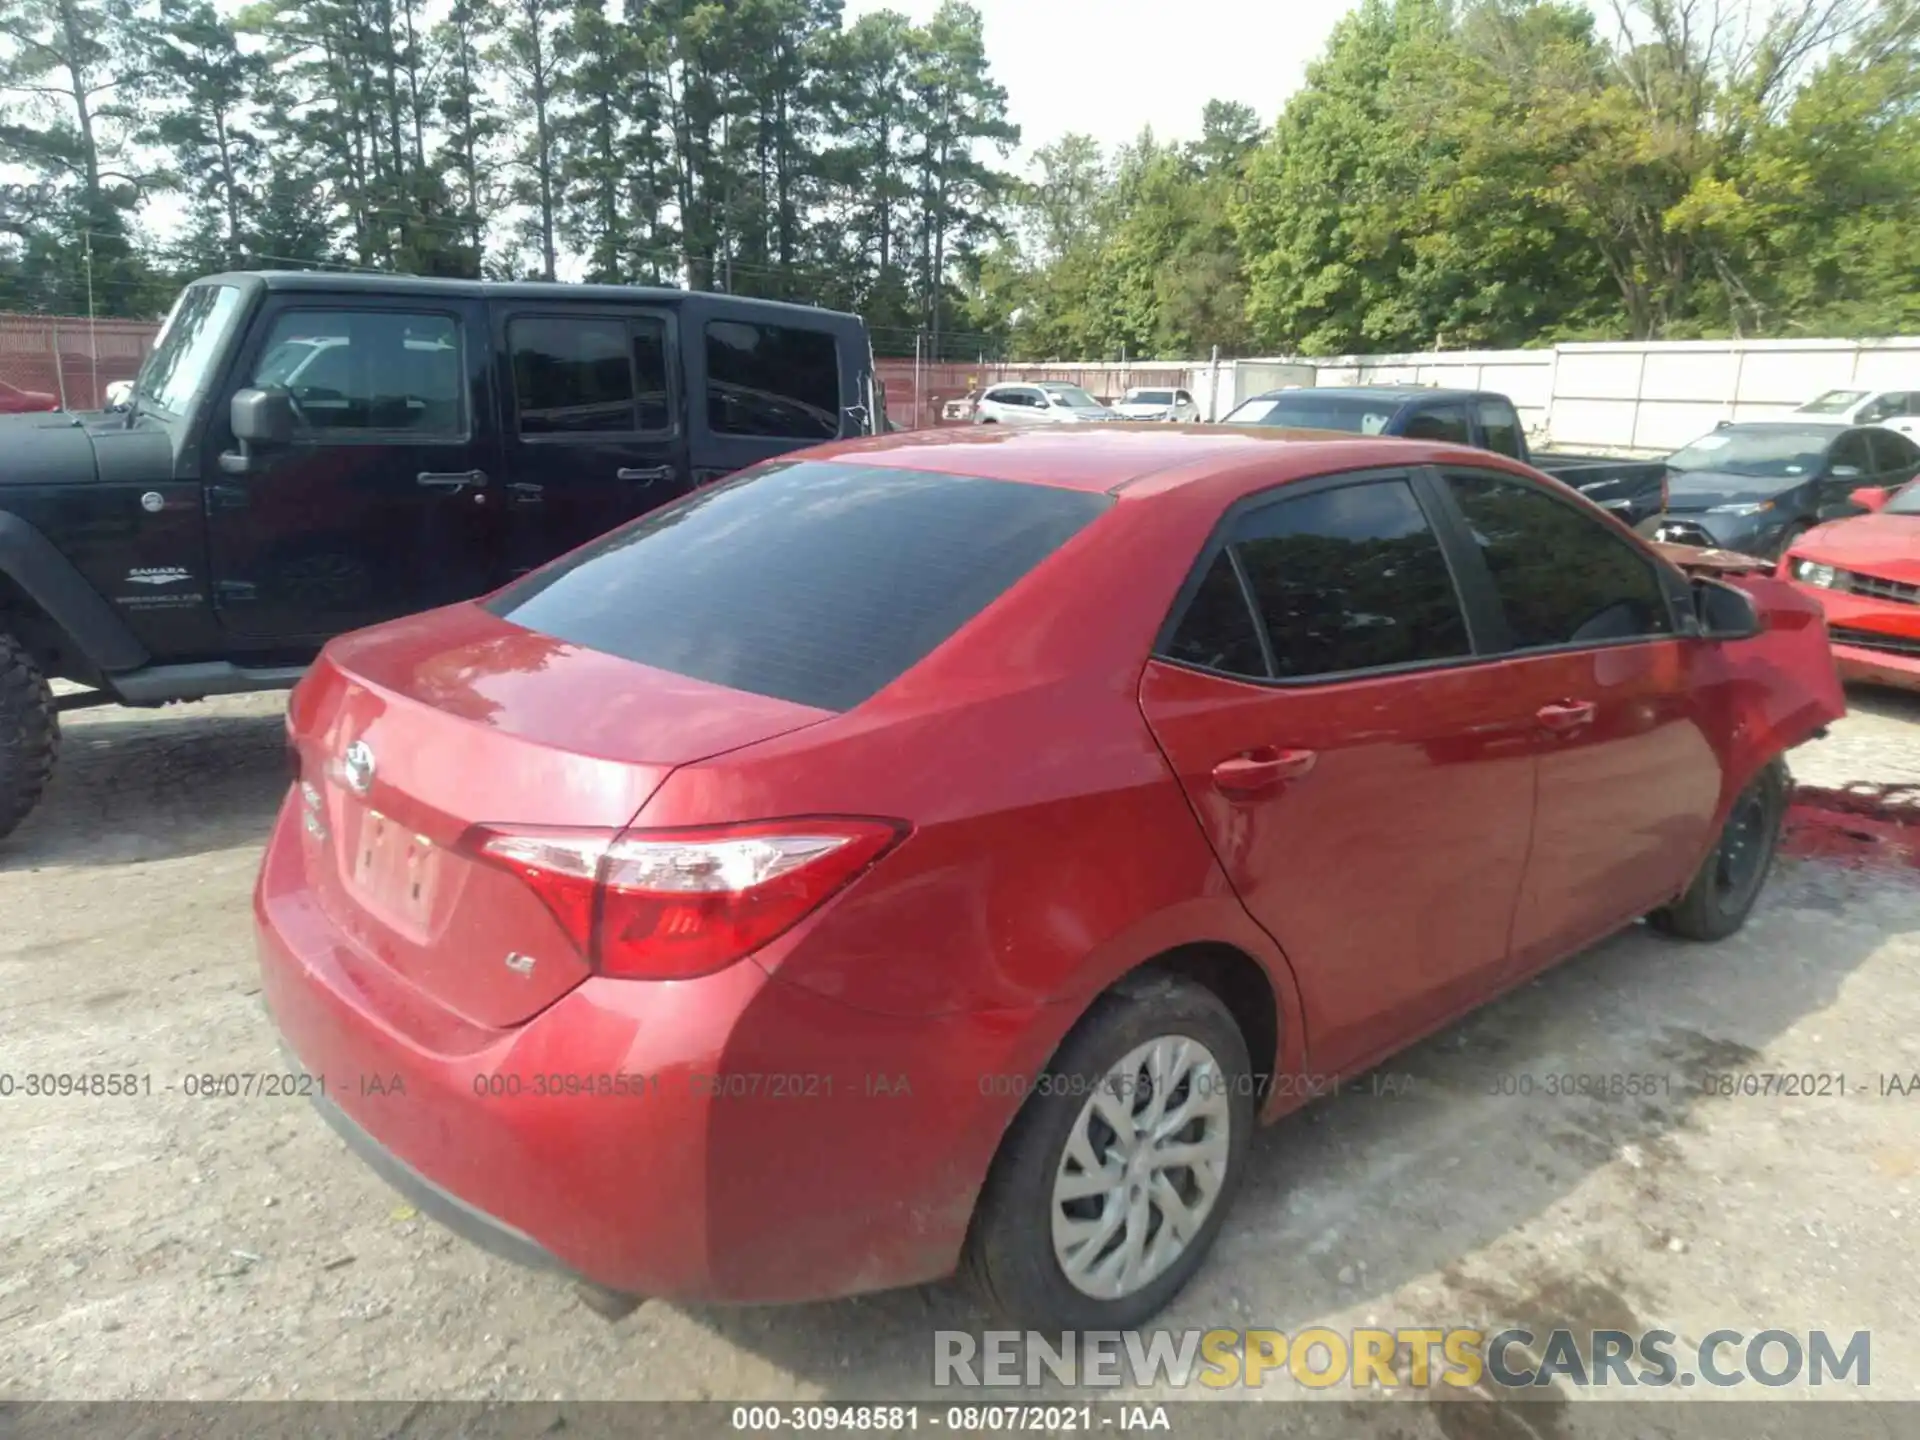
pixel 1866 573
pixel 937 851
pixel 15 401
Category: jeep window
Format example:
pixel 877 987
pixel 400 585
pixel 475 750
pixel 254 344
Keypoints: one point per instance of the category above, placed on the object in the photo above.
pixel 774 381
pixel 194 333
pixel 350 371
pixel 589 374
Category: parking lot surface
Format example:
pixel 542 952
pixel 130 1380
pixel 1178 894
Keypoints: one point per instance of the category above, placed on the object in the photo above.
pixel 163 1245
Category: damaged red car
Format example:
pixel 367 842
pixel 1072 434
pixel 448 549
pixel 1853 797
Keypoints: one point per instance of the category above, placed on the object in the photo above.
pixel 938 852
pixel 1865 572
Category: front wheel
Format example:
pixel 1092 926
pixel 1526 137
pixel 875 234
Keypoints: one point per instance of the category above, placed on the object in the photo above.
pixel 29 734
pixel 1114 1178
pixel 1728 883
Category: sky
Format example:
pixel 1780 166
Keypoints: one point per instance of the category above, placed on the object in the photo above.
pixel 1109 69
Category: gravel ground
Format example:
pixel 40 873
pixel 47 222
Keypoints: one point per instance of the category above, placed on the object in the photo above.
pixel 158 1246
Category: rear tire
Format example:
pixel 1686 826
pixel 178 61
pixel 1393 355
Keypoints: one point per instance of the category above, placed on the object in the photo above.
pixel 1024 1225
pixel 29 734
pixel 1729 881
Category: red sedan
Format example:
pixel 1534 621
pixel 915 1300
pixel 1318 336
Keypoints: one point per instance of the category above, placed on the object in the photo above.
pixel 1866 573
pixel 15 401
pixel 937 851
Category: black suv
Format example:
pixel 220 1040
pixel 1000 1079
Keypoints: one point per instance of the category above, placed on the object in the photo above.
pixel 304 454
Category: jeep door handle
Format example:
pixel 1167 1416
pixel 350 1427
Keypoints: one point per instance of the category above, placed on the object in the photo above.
pixel 1565 715
pixel 451 479
pixel 1258 771
pixel 645 475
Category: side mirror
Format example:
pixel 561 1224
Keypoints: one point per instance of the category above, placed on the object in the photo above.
pixel 1726 612
pixel 258 418
pixel 262 417
pixel 1870 497
pixel 1847 472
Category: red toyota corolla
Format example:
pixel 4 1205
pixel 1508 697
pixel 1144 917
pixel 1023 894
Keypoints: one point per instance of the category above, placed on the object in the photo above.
pixel 1865 572
pixel 936 851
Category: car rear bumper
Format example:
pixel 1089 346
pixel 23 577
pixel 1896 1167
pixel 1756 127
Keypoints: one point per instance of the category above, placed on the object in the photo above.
pixel 731 1138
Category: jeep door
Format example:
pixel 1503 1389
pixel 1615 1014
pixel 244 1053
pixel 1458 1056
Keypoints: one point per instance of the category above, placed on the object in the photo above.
pixel 383 503
pixel 593 428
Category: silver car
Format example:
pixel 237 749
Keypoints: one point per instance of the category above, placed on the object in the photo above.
pixel 1039 404
pixel 1158 403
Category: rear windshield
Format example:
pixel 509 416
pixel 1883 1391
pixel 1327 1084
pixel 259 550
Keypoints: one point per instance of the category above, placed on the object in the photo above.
pixel 807 580
pixel 1834 402
pixel 1308 411
pixel 1151 397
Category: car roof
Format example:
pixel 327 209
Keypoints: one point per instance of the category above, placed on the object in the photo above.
pixel 1143 459
pixel 1401 393
pixel 360 283
pixel 1790 422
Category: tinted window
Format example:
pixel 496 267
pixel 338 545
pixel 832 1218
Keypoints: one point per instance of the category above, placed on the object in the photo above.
pixel 1447 422
pixel 1217 632
pixel 1893 452
pixel 772 380
pixel 1351 579
pixel 1563 578
pixel 1501 427
pixel 379 370
pixel 1851 449
pixel 576 375
pixel 809 581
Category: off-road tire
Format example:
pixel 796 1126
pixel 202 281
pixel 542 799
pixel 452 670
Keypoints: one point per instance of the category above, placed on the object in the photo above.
pixel 1710 910
pixel 1009 1260
pixel 29 734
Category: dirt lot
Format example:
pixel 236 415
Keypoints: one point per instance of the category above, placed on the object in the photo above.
pixel 162 1246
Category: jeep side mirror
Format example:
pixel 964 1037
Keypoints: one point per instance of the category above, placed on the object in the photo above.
pixel 1870 497
pixel 1726 612
pixel 257 418
pixel 262 417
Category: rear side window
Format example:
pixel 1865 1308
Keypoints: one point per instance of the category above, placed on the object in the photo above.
pixel 809 581
pixel 773 381
pixel 589 374
pixel 1563 578
pixel 1893 452
pixel 1351 578
pixel 1218 631
pixel 1447 422
pixel 1501 427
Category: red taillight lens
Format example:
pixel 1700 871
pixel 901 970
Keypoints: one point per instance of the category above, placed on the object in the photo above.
pixel 670 904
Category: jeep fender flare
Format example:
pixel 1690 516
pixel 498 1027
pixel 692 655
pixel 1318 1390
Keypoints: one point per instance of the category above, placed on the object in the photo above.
pixel 49 579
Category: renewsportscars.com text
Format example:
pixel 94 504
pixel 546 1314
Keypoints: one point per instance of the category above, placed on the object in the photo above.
pixel 1514 1359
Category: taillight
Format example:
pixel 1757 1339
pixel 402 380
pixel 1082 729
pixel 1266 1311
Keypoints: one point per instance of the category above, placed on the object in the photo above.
pixel 671 904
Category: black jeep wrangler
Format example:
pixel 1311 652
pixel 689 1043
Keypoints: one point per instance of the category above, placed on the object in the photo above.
pixel 304 454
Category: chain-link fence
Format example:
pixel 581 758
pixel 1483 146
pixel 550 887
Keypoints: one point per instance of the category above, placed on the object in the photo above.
pixel 73 359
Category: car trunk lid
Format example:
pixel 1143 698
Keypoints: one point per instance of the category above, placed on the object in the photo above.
pixel 416 738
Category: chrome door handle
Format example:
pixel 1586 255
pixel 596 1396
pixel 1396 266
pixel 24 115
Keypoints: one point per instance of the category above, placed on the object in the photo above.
pixel 644 475
pixel 451 479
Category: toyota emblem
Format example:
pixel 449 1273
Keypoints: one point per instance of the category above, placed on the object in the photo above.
pixel 357 766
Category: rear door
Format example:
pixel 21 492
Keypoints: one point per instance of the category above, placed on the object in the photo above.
pixel 385 502
pixel 1600 674
pixel 1362 774
pixel 768 387
pixel 593 423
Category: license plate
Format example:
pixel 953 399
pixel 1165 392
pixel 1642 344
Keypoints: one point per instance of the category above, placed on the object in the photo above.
pixel 393 871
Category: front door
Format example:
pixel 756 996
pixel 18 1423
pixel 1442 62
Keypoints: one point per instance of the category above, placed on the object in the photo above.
pixel 1363 777
pixel 384 502
pixel 593 427
pixel 1629 776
